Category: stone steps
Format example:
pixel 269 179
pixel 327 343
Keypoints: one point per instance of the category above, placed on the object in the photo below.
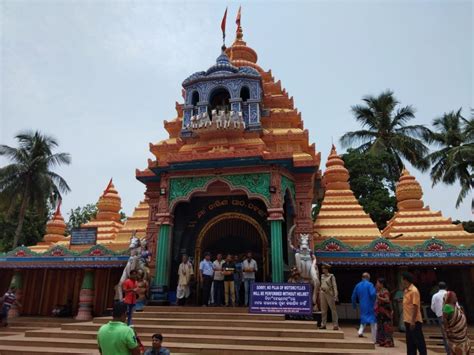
pixel 219 339
pixel 191 330
pixel 247 331
pixel 207 348
pixel 234 323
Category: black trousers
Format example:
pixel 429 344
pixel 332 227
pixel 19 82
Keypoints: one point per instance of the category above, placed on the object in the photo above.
pixel 219 292
pixel 206 289
pixel 415 339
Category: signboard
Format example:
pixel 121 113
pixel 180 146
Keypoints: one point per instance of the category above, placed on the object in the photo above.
pixel 83 236
pixel 280 298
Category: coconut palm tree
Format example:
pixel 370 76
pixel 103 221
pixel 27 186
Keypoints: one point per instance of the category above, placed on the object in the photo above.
pixel 454 160
pixel 29 182
pixel 384 129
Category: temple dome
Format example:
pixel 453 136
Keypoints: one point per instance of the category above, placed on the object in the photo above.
pixel 109 204
pixel 56 227
pixel 408 192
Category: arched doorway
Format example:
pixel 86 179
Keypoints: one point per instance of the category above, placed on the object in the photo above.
pixel 234 233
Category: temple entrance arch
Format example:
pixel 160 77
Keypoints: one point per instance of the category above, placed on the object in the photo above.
pixel 234 233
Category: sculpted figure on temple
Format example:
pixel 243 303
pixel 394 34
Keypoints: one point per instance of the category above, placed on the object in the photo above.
pixel 306 263
pixel 236 118
pixel 219 118
pixel 194 123
pixel 205 120
pixel 132 264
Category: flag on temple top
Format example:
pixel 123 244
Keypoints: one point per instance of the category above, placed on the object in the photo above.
pixel 58 208
pixel 108 186
pixel 237 20
pixel 223 23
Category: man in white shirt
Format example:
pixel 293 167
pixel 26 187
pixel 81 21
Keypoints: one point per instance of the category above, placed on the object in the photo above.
pixel 218 281
pixel 249 267
pixel 437 307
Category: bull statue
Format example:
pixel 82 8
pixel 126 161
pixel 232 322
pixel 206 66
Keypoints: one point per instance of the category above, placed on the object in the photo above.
pixel 306 264
pixel 136 261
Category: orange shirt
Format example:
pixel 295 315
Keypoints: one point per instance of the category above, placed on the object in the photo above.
pixel 411 298
pixel 130 296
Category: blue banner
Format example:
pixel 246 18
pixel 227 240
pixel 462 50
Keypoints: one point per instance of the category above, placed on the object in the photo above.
pixel 84 236
pixel 280 298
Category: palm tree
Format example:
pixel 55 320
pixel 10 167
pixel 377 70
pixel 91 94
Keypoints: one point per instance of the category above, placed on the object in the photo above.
pixel 28 181
pixel 384 129
pixel 454 161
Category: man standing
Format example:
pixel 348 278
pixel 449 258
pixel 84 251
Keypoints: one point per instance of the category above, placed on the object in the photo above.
pixel 207 272
pixel 437 302
pixel 130 289
pixel 7 301
pixel 115 337
pixel 249 267
pixel 237 278
pixel 412 316
pixel 218 281
pixel 229 270
pixel 185 273
pixel 157 349
pixel 365 294
pixel 328 296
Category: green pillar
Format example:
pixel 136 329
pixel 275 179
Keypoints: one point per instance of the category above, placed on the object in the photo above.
pixel 162 257
pixel 277 251
pixel 86 296
pixel 16 281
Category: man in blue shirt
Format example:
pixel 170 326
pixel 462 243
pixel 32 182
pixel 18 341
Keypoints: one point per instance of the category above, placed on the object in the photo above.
pixel 206 272
pixel 364 293
pixel 237 278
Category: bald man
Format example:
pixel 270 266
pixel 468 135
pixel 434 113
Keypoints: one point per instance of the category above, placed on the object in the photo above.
pixel 365 294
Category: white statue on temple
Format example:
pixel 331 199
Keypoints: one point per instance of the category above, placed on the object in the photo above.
pixel 194 122
pixel 205 120
pixel 236 119
pixel 218 118
pixel 133 263
pixel 306 264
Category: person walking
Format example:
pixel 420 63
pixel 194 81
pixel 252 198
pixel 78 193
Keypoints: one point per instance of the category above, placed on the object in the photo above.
pixel 130 289
pixel 364 294
pixel 237 278
pixel 437 307
pixel 206 271
pixel 116 337
pixel 412 317
pixel 249 267
pixel 7 301
pixel 185 273
pixel 455 324
pixel 328 296
pixel 384 314
pixel 218 281
pixel 229 290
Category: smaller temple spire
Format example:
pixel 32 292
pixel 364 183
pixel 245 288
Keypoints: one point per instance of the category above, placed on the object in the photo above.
pixel 56 227
pixel 109 204
pixel 336 176
pixel 408 192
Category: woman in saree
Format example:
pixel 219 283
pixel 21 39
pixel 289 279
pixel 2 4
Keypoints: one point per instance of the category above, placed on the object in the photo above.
pixel 455 325
pixel 384 313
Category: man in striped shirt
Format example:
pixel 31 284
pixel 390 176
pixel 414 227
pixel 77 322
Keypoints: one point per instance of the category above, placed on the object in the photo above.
pixel 8 300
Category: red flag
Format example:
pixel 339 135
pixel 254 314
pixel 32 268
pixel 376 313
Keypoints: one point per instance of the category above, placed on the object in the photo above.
pixel 108 186
pixel 223 23
pixel 237 20
pixel 58 208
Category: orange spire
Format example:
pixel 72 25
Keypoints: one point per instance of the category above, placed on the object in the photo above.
pixel 241 54
pixel 336 176
pixel 56 227
pixel 109 204
pixel 408 192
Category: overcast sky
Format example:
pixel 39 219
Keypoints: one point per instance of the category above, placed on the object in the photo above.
pixel 101 76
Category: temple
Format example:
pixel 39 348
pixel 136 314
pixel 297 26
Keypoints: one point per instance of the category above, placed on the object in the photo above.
pixel 235 174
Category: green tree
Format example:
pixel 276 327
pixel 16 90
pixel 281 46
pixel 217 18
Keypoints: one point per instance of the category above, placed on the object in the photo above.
pixel 467 225
pixel 384 130
pixel 81 215
pixel 453 161
pixel 29 182
pixel 373 183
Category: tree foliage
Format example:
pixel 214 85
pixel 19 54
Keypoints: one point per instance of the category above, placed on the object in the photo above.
pixel 28 183
pixel 454 160
pixel 373 183
pixel 385 130
pixel 467 225
pixel 81 215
